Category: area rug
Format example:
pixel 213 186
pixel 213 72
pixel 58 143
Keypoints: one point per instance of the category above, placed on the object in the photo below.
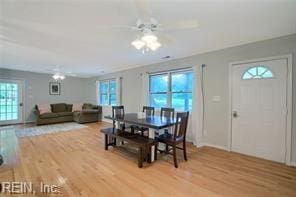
pixel 46 129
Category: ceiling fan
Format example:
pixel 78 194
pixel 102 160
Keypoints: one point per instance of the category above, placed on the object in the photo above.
pixel 149 28
pixel 58 74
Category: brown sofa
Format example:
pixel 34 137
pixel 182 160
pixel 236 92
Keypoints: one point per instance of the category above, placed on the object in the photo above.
pixel 62 112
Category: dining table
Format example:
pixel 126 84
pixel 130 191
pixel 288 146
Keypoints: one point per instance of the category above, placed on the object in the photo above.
pixel 155 124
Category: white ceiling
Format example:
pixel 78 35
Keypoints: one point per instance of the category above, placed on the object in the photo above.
pixel 73 34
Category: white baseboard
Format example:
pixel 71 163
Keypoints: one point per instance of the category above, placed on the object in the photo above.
pixel 211 145
pixel 293 163
pixel 218 147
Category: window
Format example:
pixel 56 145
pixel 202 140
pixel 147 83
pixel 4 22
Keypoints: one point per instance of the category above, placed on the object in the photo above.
pixel 258 72
pixel 172 89
pixel 108 92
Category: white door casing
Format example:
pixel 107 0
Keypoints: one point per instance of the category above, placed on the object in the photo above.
pixel 262 127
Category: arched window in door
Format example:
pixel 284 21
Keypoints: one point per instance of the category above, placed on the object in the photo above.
pixel 258 72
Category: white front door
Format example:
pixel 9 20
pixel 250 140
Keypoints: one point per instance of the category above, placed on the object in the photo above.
pixel 11 101
pixel 259 109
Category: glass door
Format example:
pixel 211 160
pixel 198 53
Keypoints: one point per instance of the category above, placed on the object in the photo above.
pixel 10 101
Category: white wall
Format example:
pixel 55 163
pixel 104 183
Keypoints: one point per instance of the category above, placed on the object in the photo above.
pixel 215 82
pixel 37 90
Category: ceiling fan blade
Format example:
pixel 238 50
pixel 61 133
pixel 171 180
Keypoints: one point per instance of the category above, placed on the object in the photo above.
pixel 142 9
pixel 120 27
pixel 185 24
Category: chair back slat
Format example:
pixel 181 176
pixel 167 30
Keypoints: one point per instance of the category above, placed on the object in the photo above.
pixel 118 112
pixel 148 110
pixel 167 112
pixel 181 125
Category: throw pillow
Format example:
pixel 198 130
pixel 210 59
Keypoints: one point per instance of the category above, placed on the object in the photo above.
pixel 44 108
pixel 77 107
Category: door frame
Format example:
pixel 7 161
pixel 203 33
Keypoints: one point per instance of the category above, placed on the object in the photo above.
pixel 22 94
pixel 288 140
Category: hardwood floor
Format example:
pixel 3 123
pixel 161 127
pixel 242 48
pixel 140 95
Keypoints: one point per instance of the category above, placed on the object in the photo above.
pixel 78 163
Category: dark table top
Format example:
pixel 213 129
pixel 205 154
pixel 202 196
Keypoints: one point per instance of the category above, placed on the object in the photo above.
pixel 155 122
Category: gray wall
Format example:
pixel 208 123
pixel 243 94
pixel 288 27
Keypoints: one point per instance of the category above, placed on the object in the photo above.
pixel 37 90
pixel 215 82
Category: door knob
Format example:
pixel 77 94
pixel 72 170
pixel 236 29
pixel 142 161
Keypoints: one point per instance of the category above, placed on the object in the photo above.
pixel 21 104
pixel 235 115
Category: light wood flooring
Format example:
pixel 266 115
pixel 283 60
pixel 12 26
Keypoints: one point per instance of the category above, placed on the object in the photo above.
pixel 77 162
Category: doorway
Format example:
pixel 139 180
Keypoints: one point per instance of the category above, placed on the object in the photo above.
pixel 260 107
pixel 11 101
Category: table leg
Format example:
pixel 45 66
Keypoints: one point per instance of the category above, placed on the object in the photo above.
pixel 152 150
pixel 117 126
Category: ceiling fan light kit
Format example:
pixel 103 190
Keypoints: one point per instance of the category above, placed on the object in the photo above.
pixel 148 41
pixel 58 76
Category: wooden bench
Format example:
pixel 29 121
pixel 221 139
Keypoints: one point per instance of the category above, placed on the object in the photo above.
pixel 142 143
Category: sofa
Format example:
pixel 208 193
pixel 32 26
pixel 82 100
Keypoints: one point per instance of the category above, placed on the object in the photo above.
pixel 89 113
pixel 62 112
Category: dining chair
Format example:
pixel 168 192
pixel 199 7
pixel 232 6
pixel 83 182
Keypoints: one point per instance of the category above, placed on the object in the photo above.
pixel 149 111
pixel 178 137
pixel 167 112
pixel 118 111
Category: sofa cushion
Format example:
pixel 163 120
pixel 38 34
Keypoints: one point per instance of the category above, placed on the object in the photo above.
pixel 69 107
pixel 58 107
pixel 87 106
pixel 48 115
pixel 65 114
pixel 89 111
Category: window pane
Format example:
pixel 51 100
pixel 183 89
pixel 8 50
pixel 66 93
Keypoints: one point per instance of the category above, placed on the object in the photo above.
pixel 2 116
pixel 182 82
pixel 247 76
pixel 104 99
pixel 258 72
pixel 14 116
pixel 182 101
pixel 253 71
pixel 112 86
pixel 267 74
pixel 2 109
pixel 112 99
pixel 158 100
pixel 104 87
pixel 159 83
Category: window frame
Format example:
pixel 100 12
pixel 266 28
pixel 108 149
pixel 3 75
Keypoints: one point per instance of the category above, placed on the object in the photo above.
pixel 108 93
pixel 260 76
pixel 169 93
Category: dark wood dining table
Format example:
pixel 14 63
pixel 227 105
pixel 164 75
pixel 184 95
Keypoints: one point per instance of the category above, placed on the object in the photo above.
pixel 153 123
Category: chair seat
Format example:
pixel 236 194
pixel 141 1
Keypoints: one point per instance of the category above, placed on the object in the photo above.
pixel 168 138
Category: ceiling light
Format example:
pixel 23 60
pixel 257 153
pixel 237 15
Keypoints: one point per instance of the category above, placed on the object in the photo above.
pixel 154 45
pixel 58 76
pixel 149 37
pixel 147 42
pixel 55 76
pixel 138 44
